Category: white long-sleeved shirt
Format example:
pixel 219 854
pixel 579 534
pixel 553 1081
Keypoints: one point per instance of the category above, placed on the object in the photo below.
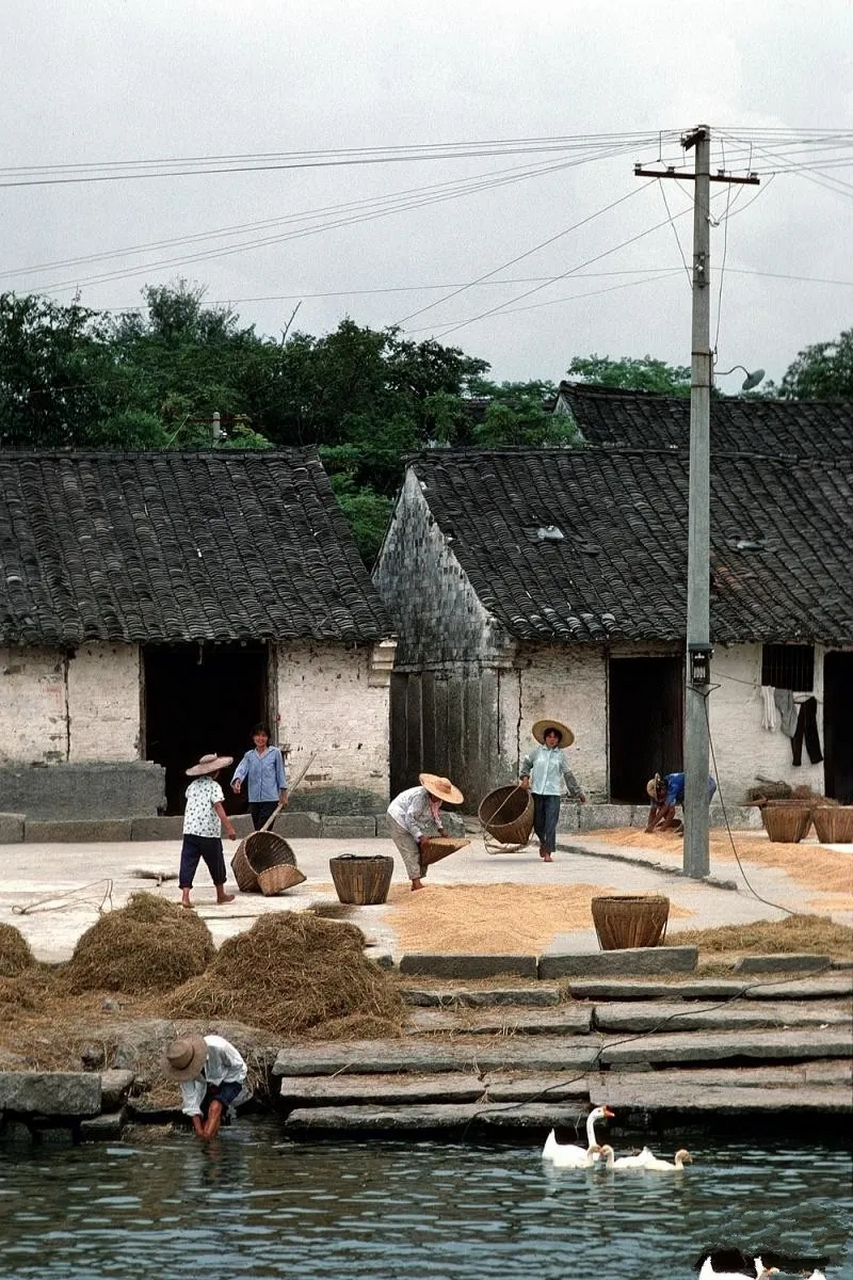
pixel 412 809
pixel 547 767
pixel 223 1065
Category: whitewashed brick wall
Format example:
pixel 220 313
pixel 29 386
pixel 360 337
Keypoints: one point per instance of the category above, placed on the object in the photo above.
pixel 104 704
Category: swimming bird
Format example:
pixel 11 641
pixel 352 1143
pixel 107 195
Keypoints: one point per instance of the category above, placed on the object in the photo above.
pixel 645 1160
pixel 754 1270
pixel 568 1155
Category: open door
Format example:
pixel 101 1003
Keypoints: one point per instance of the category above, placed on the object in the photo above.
pixel 838 726
pixel 646 717
pixel 201 698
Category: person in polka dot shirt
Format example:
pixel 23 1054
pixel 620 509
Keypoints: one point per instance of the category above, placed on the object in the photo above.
pixel 204 819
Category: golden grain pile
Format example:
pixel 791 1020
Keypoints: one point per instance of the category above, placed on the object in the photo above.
pixel 15 954
pixel 294 971
pixel 148 946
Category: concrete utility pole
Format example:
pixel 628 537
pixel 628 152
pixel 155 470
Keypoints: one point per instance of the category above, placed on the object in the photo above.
pixel 698 657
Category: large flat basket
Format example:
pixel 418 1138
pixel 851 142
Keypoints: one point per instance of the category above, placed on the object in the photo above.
pixel 435 848
pixel 507 815
pixel 260 851
pixel 630 920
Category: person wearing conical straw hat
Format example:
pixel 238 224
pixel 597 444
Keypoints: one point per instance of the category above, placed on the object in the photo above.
pixel 543 772
pixel 415 815
pixel 204 819
pixel 212 1076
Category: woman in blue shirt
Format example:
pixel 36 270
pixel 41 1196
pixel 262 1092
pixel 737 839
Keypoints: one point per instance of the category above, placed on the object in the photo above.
pixel 543 772
pixel 267 780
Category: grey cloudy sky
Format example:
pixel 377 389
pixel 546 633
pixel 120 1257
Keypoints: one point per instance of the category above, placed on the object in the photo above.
pixel 91 82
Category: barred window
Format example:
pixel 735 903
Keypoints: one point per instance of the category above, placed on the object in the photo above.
pixel 788 666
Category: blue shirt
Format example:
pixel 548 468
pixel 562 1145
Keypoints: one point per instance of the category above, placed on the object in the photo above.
pixel 675 788
pixel 266 775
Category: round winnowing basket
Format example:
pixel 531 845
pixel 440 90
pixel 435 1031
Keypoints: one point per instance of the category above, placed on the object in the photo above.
pixel 786 821
pixel 435 848
pixel 260 851
pixel 361 879
pixel 276 879
pixel 507 815
pixel 833 824
pixel 630 920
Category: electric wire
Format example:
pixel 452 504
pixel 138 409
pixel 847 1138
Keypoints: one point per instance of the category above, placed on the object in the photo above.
pixel 675 233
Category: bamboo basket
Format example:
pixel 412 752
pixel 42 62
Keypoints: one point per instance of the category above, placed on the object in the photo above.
pixel 630 920
pixel 833 824
pixel 260 851
pixel 435 848
pixel 362 879
pixel 786 821
pixel 507 815
pixel 277 879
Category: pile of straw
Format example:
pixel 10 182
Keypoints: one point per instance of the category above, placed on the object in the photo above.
pixel 15 954
pixel 148 946
pixel 292 972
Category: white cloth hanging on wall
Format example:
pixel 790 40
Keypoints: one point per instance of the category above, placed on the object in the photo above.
pixel 768 714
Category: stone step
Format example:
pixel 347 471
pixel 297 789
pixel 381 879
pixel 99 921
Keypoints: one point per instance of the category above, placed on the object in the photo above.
pixel 568 1019
pixel 645 1093
pixel 538 995
pixel 828 987
pixel 397 1090
pixel 708 1046
pixel 368 1119
pixel 678 1016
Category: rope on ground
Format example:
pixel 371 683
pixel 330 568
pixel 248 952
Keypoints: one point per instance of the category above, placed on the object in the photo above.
pixel 73 898
pixel 495 846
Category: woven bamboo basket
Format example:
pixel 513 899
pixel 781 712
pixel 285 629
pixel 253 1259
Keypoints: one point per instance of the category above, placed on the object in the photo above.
pixel 437 847
pixel 786 821
pixel 833 823
pixel 260 851
pixel 507 815
pixel 361 879
pixel 276 879
pixel 630 920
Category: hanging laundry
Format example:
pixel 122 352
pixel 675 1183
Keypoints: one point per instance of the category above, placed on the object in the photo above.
pixel 784 700
pixel 806 728
pixel 768 714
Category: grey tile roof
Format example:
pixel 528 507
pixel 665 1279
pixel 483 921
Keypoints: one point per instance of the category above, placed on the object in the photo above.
pixel 167 547
pixel 781 531
pixel 817 428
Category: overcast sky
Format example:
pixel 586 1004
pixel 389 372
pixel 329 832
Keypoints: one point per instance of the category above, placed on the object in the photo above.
pixel 96 82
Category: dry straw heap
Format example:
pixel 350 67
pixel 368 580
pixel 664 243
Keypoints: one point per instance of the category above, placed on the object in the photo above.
pixel 293 973
pixel 15 954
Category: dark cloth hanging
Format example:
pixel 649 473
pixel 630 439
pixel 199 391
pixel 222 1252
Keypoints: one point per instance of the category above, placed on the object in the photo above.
pixel 806 727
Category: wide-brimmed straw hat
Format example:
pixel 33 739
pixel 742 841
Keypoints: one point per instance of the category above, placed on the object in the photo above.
pixel 185 1058
pixel 652 786
pixel 566 735
pixel 209 764
pixel 441 788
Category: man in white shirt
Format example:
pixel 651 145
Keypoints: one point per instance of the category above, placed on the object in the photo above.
pixel 212 1076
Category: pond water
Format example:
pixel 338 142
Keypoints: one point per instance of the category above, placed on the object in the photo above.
pixel 253 1204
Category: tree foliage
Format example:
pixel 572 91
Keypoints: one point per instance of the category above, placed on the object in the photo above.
pixel 823 371
pixel 632 374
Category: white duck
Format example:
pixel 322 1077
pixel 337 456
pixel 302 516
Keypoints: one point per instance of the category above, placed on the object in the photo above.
pixel 645 1160
pixel 707 1272
pixel 568 1155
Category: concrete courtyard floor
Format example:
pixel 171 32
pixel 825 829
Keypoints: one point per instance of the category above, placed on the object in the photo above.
pixel 52 893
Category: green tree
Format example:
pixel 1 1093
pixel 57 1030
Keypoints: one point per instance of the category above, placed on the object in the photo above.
pixel 520 413
pixel 631 374
pixel 823 371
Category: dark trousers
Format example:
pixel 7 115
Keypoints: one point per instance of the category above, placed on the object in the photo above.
pixel 546 813
pixel 806 728
pixel 260 811
pixel 206 847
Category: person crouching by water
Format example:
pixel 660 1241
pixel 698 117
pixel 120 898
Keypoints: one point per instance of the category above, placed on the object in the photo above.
pixel 665 793
pixel 415 815
pixel 212 1076
pixel 204 819
pixel 263 768
pixel 543 772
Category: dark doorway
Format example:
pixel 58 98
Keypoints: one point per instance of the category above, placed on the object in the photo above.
pixel 838 726
pixel 201 698
pixel 645 722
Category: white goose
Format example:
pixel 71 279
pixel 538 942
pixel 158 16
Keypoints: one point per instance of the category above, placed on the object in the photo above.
pixel 568 1155
pixel 645 1160
pixel 707 1272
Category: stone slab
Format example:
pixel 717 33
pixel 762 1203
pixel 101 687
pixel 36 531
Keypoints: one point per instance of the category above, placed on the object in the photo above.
pixel 380 1090
pixel 564 1020
pixel 677 1016
pixel 357 1057
pixel 539 996
pixel 12 828
pixel 87 792
pixel 86 831
pixel 832 1071
pixel 164 828
pixel 467 966
pixel 647 1094
pixel 780 963
pixel 107 1125
pixel 369 1119
pixel 297 826
pixel 115 1086
pixel 336 827
pixel 50 1093
pixel 559 960
pixel 829 986
pixel 707 1046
